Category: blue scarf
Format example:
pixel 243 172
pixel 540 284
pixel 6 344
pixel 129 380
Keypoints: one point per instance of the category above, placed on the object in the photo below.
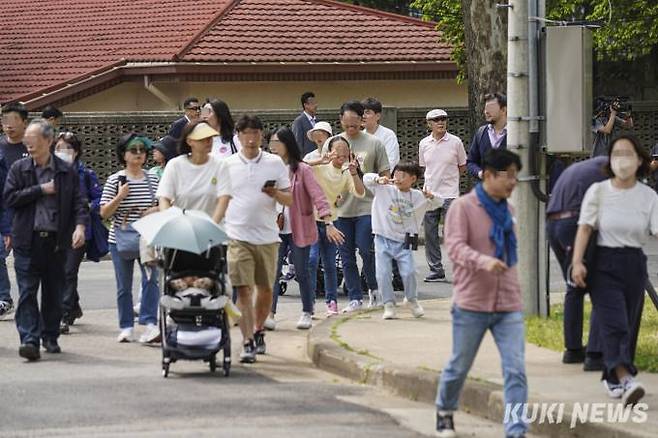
pixel 502 231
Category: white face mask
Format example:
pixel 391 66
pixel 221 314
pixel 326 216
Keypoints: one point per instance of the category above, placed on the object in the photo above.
pixel 624 167
pixel 65 156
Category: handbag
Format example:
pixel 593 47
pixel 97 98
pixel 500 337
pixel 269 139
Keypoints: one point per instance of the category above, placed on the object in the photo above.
pixel 97 245
pixel 127 238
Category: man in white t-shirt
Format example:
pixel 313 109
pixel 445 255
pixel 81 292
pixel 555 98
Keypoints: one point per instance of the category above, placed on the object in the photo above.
pixel 372 115
pixel 258 181
pixel 444 158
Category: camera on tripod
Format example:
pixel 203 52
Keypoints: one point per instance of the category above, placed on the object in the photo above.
pixel 411 241
pixel 618 103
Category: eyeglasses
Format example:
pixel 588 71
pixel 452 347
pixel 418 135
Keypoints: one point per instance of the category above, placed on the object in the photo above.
pixel 194 108
pixel 136 151
pixel 439 119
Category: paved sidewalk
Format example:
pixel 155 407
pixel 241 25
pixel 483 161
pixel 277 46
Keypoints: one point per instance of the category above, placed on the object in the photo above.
pixel 406 355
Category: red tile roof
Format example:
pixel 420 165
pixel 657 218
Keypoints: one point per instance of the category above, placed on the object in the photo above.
pixel 45 44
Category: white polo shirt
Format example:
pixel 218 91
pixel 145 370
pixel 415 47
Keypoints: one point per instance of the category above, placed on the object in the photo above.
pixel 441 159
pixel 251 214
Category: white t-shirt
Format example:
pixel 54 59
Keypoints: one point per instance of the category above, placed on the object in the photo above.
pixel 251 214
pixel 626 217
pixel 312 156
pixel 194 186
pixel 395 213
pixel 222 150
pixel 390 141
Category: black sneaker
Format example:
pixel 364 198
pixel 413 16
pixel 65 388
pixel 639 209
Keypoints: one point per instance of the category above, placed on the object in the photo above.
pixel 259 339
pixel 573 356
pixel 76 313
pixel 29 352
pixel 6 309
pixel 248 354
pixel 445 426
pixel 435 276
pixel 594 362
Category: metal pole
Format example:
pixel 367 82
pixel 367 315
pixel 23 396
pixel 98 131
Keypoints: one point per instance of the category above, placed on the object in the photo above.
pixel 518 140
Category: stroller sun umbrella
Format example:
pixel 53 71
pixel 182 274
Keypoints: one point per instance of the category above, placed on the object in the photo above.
pixel 187 230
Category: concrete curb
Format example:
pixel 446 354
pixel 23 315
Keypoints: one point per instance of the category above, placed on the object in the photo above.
pixel 481 398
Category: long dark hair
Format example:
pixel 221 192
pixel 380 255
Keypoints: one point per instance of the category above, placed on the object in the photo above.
pixel 223 114
pixel 286 137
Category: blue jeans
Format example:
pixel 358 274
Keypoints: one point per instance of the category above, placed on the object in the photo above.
pixel 358 234
pixel 468 329
pixel 5 286
pixel 123 272
pixel 326 250
pixel 41 266
pixel 387 250
pixel 300 259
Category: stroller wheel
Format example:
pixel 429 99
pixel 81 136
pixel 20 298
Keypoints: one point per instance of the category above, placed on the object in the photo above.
pixel 283 287
pixel 212 362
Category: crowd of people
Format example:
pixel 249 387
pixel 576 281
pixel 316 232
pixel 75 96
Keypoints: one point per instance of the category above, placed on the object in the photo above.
pixel 306 195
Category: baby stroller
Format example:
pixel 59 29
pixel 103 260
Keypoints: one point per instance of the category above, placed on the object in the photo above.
pixel 193 322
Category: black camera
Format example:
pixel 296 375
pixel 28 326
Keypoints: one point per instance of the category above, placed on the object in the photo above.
pixel 411 241
pixel 618 103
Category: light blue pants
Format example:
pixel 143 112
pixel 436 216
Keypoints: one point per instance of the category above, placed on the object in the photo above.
pixel 468 329
pixel 387 250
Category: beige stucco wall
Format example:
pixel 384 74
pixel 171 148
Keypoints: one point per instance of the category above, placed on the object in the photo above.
pixel 132 96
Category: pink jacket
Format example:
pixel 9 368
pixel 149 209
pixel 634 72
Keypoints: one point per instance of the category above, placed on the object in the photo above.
pixel 470 249
pixel 306 193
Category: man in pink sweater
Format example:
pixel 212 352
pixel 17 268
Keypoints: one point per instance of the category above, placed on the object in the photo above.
pixel 481 242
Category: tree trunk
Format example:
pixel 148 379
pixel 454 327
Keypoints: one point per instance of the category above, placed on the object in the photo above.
pixel 485 40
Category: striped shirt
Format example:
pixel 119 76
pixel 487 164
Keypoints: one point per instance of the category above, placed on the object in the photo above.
pixel 139 198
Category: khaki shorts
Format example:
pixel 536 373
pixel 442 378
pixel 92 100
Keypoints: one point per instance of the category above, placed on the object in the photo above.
pixel 250 264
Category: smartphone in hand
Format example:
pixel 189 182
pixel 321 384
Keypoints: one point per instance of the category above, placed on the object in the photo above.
pixel 122 179
pixel 269 183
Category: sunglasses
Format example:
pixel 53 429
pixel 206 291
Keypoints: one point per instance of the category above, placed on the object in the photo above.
pixel 136 151
pixel 439 119
pixel 194 108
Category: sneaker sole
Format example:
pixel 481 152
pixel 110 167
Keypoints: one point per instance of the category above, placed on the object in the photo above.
pixel 636 394
pixel 247 360
pixel 611 394
pixel 434 280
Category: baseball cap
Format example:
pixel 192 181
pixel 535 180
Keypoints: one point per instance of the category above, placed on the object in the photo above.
pixel 320 126
pixel 201 131
pixel 433 114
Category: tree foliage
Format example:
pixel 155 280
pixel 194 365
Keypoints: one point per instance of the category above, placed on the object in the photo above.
pixel 629 28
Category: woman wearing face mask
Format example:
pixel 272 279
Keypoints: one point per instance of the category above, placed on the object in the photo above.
pixel 625 212
pixel 69 149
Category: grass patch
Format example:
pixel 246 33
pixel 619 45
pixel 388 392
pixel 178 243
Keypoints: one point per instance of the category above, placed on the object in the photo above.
pixel 547 333
pixel 337 339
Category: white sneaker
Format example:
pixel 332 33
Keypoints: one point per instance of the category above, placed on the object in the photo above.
pixel 270 322
pixel 151 335
pixel 304 322
pixel 633 392
pixel 353 306
pixel 375 298
pixel 126 335
pixel 416 309
pixel 389 311
pixel 614 390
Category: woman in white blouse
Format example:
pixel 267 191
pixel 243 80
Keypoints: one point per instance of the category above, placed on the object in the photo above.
pixel 217 114
pixel 625 213
pixel 196 179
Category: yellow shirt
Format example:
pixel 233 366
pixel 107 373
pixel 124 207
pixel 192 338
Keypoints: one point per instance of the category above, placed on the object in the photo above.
pixel 334 182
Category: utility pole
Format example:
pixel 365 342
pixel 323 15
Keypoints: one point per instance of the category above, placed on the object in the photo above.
pixel 520 140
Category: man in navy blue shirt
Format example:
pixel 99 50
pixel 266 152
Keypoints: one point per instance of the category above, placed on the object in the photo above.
pixel 561 226
pixel 493 135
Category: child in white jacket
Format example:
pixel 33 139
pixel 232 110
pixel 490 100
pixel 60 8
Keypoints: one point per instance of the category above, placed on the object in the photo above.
pixel 397 215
